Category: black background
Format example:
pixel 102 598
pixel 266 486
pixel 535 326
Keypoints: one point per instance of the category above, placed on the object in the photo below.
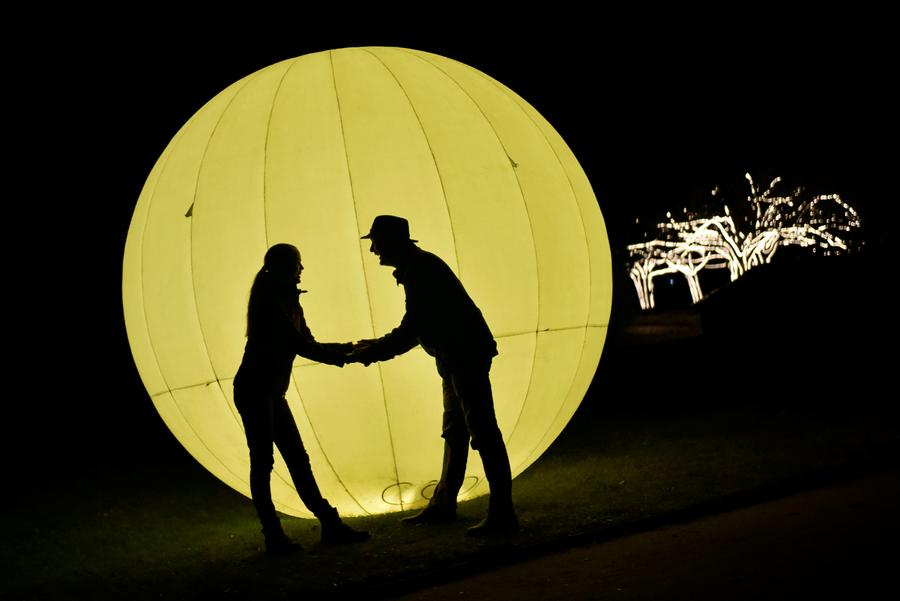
pixel 656 110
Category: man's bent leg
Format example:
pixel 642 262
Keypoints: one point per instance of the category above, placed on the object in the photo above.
pixel 442 506
pixel 453 473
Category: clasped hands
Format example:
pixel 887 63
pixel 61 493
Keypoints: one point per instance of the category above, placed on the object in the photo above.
pixel 361 351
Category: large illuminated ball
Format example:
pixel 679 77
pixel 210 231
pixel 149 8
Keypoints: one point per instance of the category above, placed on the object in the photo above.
pixel 308 151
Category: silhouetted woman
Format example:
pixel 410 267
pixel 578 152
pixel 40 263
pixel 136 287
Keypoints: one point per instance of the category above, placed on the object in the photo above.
pixel 276 332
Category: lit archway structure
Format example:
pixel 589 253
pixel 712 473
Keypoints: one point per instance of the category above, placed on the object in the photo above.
pixel 824 223
pixel 308 151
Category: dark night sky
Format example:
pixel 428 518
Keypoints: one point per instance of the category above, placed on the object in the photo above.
pixel 653 113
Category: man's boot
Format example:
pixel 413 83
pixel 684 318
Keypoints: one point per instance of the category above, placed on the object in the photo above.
pixel 497 523
pixel 432 514
pixel 501 518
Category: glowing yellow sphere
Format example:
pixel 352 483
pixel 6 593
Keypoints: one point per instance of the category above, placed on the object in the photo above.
pixel 308 151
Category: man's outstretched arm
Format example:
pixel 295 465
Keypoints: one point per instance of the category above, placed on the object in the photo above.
pixel 396 342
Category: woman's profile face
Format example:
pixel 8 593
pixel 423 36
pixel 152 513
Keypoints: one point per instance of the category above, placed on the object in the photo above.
pixel 298 269
pixel 288 266
pixel 294 268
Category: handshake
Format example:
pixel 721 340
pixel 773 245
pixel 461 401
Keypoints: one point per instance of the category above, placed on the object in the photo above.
pixel 342 353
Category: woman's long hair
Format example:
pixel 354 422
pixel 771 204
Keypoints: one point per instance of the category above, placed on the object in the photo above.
pixel 280 260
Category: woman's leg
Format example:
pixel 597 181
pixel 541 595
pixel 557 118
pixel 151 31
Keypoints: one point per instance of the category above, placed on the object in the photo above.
pixel 290 445
pixel 257 416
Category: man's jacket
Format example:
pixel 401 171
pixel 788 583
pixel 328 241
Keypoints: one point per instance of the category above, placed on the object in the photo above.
pixel 440 316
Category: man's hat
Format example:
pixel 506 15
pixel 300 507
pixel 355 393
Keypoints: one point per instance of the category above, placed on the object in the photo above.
pixel 389 227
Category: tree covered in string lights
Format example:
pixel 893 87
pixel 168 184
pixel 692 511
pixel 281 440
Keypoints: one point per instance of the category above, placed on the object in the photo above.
pixel 739 240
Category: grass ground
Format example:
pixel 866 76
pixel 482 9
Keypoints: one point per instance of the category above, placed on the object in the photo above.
pixel 683 441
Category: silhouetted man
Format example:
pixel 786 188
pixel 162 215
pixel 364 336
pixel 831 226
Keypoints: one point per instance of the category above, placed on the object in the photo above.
pixel 441 317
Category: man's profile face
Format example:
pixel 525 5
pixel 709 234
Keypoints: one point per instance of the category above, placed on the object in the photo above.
pixel 378 250
pixel 373 248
